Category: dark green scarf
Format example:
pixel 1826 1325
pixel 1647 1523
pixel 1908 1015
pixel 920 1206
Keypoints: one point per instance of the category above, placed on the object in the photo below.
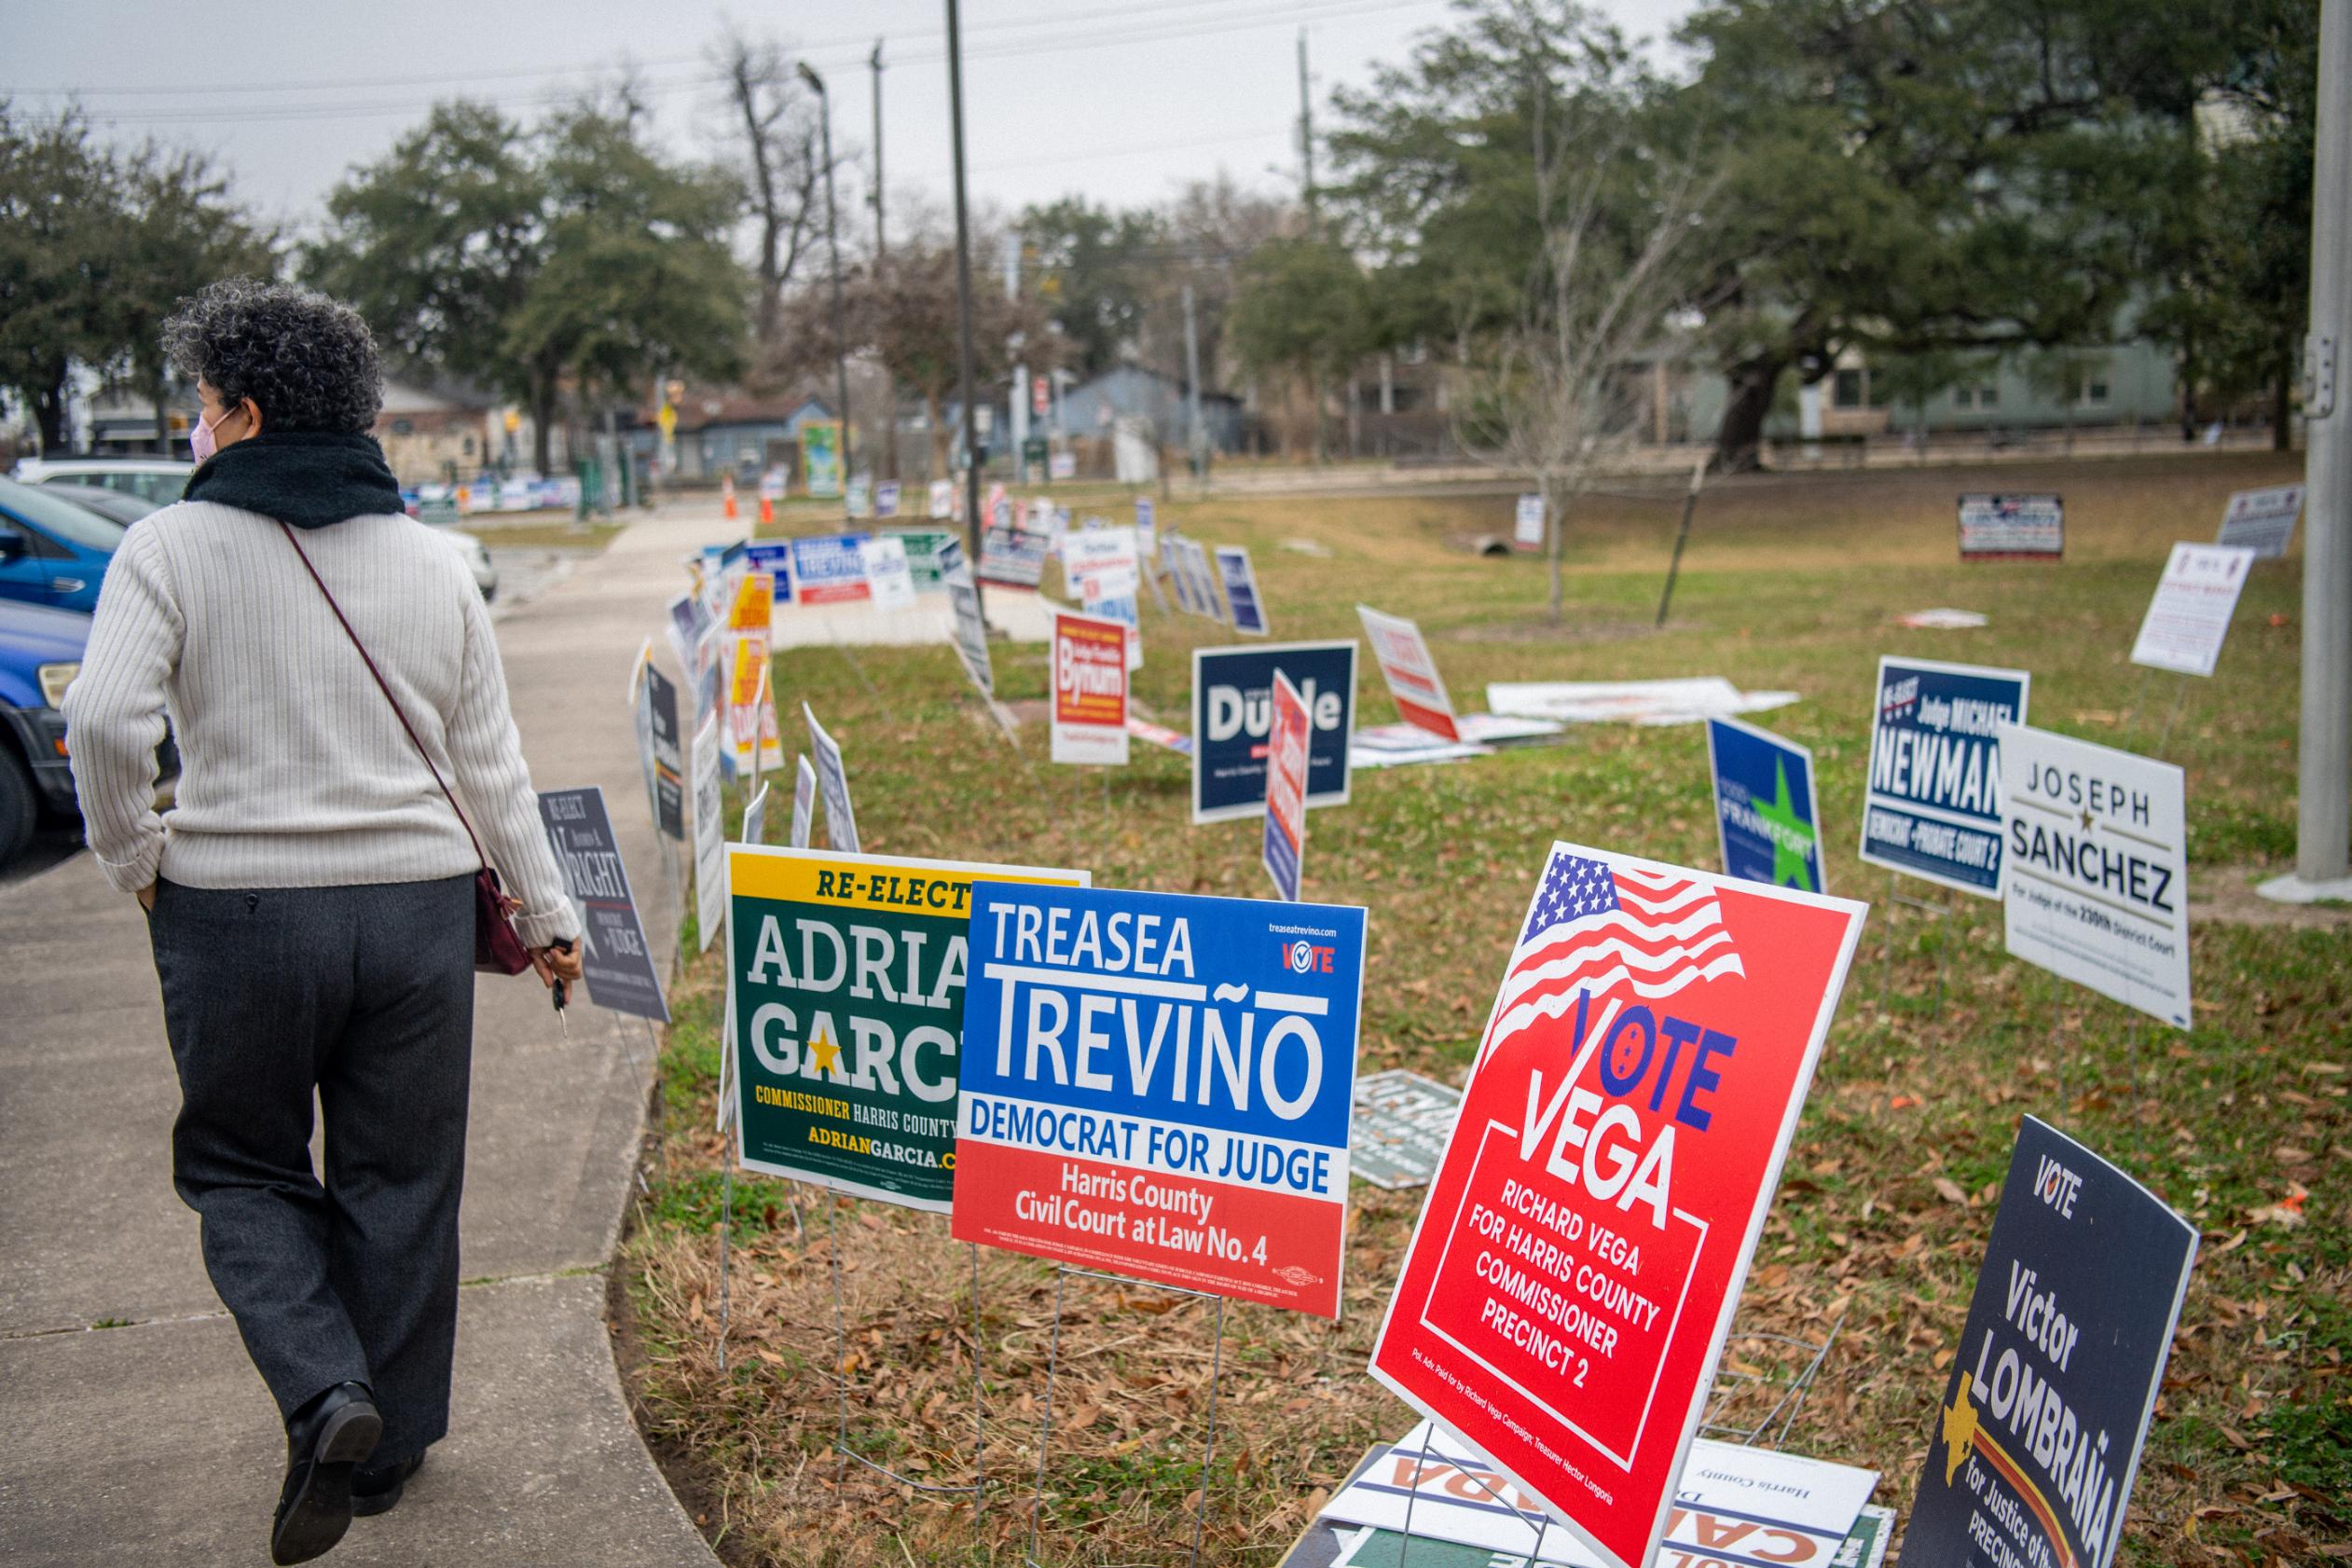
pixel 307 478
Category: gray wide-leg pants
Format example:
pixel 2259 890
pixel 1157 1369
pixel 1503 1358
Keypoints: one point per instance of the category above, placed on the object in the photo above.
pixel 365 994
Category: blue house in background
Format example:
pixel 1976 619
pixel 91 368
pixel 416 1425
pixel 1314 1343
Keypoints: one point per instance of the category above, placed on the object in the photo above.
pixel 738 435
pixel 1132 392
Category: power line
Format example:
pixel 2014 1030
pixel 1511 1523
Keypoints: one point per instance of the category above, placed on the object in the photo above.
pixel 1218 16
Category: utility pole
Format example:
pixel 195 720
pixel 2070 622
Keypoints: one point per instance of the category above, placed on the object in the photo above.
pixel 1306 133
pixel 963 303
pixel 833 240
pixel 875 61
pixel 2323 828
pixel 881 255
pixel 1196 438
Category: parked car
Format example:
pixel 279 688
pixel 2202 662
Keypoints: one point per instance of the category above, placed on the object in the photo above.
pixel 477 556
pixel 160 480
pixel 116 507
pixel 53 552
pixel 40 654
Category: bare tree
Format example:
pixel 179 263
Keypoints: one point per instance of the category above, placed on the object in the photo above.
pixel 1614 225
pixel 780 159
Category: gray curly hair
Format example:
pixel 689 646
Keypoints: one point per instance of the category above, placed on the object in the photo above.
pixel 307 361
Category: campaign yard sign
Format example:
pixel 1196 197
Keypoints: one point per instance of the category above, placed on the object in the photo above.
pixel 1241 590
pixel 1233 717
pixel 1527 525
pixel 830 568
pixel 1767 825
pixel 772 560
pixel 2033 1451
pixel 1158 1085
pixel 2189 617
pixel 942 499
pixel 2264 521
pixel 970 629
pixel 804 801
pixel 1568 1289
pixel 2094 874
pixel 1146 531
pixel 660 700
pixel 832 778
pixel 1412 674
pixel 1104 568
pixel 615 958
pixel 1090 691
pixel 1206 594
pixel 1012 557
pixel 1285 842
pixel 710 835
pixel 888 576
pixel 755 816
pixel 1402 1122
pixel 923 549
pixel 1997 528
pixel 1933 808
pixel 886 499
pixel 846 978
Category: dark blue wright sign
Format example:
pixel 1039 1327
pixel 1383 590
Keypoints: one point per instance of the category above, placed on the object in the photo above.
pixel 1233 715
pixel 1934 807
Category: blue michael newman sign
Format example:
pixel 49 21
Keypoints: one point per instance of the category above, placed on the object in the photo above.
pixel 1934 806
pixel 1232 721
pixel 1766 818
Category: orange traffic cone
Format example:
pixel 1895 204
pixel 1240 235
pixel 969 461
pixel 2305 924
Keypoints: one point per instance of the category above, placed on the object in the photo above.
pixel 726 496
pixel 767 510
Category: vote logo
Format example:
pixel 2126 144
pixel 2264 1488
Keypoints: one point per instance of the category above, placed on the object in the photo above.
pixel 1304 957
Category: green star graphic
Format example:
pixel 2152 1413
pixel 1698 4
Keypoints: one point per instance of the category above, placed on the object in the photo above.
pixel 1788 864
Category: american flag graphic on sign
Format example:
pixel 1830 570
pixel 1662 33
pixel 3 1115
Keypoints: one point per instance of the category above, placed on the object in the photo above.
pixel 1597 930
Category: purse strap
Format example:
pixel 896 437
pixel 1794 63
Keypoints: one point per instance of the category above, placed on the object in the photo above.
pixel 364 658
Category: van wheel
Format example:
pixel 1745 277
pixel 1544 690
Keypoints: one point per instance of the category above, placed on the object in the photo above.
pixel 18 806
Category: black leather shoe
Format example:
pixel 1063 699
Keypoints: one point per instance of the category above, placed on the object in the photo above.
pixel 325 1442
pixel 375 1488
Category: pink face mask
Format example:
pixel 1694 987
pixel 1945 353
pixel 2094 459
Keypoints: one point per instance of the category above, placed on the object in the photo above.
pixel 201 441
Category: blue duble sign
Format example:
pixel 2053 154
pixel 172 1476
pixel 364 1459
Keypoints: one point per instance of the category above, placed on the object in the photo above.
pixel 1232 721
pixel 1933 806
pixel 2038 1435
pixel 1765 819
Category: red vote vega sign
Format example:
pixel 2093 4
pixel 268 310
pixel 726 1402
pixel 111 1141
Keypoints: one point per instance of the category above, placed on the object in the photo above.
pixel 1574 1270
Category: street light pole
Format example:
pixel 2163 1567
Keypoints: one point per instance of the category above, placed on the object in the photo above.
pixel 963 300
pixel 832 243
pixel 2323 828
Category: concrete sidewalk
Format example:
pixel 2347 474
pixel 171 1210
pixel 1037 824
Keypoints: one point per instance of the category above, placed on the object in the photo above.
pixel 135 1429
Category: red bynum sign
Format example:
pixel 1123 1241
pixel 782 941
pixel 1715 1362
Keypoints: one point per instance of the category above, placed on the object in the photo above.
pixel 1573 1275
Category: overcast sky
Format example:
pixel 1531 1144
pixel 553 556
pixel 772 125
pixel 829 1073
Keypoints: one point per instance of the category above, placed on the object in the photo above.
pixel 1121 103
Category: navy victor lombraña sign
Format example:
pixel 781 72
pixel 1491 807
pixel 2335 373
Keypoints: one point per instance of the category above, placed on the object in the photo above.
pixel 1934 806
pixel 2034 1449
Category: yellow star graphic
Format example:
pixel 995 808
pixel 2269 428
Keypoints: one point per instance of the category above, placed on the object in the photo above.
pixel 824 1054
pixel 1959 1431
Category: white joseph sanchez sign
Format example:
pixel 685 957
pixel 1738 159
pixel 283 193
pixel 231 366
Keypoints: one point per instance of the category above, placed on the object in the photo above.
pixel 2095 874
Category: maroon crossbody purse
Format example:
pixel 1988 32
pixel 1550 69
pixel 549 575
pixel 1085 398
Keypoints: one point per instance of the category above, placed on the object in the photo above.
pixel 498 948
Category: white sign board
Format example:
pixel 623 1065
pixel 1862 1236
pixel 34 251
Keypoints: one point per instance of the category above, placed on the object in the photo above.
pixel 755 818
pixel 1527 526
pixel 942 499
pixel 841 822
pixel 2262 520
pixel 1412 674
pixel 711 834
pixel 2094 868
pixel 803 802
pixel 891 580
pixel 2190 614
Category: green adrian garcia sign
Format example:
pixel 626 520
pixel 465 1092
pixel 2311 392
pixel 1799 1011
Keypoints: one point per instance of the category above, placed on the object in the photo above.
pixel 844 1005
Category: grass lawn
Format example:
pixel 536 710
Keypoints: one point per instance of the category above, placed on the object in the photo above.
pixel 2240 1123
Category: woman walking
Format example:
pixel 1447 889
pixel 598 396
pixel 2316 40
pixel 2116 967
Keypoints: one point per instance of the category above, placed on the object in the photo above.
pixel 330 674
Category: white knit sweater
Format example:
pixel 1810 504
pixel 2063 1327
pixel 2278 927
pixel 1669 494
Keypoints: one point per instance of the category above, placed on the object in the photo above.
pixel 294 770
